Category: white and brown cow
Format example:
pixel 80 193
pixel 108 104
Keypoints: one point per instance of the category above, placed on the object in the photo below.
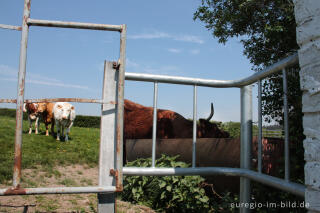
pixel 33 115
pixel 64 115
pixel 46 110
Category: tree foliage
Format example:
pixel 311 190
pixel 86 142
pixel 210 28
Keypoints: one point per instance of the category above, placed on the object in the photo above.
pixel 267 27
pixel 267 30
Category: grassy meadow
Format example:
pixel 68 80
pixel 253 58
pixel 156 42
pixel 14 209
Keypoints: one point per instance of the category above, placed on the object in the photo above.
pixel 50 163
pixel 41 150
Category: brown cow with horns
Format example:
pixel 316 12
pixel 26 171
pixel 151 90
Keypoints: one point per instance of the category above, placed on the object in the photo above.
pixel 138 122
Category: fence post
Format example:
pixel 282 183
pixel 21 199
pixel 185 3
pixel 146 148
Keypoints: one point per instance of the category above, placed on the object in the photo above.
pixel 20 95
pixel 108 139
pixel 245 146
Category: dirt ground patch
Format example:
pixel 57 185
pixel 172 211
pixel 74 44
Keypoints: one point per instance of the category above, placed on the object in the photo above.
pixel 60 176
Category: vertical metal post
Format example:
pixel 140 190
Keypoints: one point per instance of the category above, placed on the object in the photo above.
pixel 286 127
pixel 108 137
pixel 245 146
pixel 111 138
pixel 194 140
pixel 154 128
pixel 20 95
pixel 120 105
pixel 260 128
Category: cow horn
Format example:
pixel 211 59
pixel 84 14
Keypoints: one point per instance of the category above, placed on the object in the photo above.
pixel 212 112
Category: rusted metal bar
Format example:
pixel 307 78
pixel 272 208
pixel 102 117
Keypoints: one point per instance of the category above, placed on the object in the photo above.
pixel 13 101
pixel 120 107
pixel 77 25
pixel 57 190
pixel 20 95
pixel 10 27
pixel 79 100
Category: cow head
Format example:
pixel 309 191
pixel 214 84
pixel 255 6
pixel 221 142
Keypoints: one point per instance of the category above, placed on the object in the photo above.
pixel 66 110
pixel 32 110
pixel 207 129
pixel 42 107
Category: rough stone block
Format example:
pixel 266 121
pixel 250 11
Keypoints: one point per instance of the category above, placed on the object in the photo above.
pixel 309 31
pixel 311 150
pixel 312 175
pixel 311 101
pixel 312 199
pixel 311 125
pixel 305 9
pixel 309 53
pixel 310 77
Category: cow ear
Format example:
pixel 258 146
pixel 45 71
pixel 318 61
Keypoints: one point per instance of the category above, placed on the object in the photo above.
pixel 72 107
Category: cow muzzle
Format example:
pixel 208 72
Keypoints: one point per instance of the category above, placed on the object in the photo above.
pixel 33 116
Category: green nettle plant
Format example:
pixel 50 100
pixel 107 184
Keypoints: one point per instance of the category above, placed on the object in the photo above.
pixel 167 193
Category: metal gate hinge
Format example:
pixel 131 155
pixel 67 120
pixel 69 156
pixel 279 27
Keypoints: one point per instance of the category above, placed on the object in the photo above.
pixel 114 172
pixel 116 65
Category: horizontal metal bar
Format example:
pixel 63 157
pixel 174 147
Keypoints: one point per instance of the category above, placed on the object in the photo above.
pixel 77 25
pixel 215 83
pixel 58 190
pixel 10 27
pixel 294 188
pixel 79 100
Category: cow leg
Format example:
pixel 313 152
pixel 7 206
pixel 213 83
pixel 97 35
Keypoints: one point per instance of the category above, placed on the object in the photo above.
pixel 58 131
pixel 47 127
pixel 62 127
pixel 30 125
pixel 37 124
pixel 52 127
pixel 68 130
pixel 47 131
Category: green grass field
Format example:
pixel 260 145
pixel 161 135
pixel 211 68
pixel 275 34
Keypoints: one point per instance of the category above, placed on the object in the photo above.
pixel 47 162
pixel 82 148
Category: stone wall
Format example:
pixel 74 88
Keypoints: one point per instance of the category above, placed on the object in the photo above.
pixel 307 13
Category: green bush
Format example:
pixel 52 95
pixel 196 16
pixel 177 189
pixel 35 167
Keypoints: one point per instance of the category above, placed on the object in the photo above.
pixel 11 113
pixel 233 128
pixel 169 193
pixel 87 121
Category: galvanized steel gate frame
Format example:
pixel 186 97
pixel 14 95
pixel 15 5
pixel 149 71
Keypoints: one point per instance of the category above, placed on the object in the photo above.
pixel 245 172
pixel 111 131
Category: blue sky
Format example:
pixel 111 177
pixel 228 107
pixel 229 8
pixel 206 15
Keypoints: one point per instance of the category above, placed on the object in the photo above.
pixel 162 38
